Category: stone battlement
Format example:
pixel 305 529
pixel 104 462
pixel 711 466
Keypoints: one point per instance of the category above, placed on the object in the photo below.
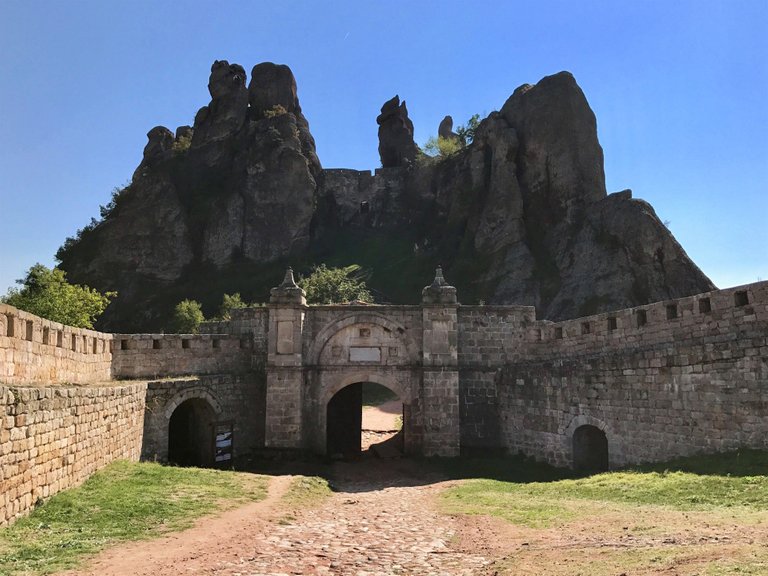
pixel 670 320
pixel 36 350
pixel 161 355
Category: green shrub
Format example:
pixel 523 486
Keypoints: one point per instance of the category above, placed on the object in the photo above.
pixel 467 131
pixel 228 303
pixel 442 147
pixel 187 317
pixel 276 110
pixel 335 285
pixel 182 143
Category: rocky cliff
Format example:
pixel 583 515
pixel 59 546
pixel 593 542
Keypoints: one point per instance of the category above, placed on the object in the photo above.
pixel 521 215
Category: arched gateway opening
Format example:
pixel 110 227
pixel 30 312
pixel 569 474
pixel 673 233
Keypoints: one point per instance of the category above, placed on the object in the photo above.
pixel 364 417
pixel 590 449
pixel 190 434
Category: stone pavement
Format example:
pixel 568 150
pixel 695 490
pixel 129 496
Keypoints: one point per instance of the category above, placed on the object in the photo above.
pixel 362 530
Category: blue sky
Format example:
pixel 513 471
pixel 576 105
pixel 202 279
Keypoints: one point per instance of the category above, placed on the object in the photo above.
pixel 680 91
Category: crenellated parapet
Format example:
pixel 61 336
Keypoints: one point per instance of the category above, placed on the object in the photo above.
pixel 717 313
pixel 36 350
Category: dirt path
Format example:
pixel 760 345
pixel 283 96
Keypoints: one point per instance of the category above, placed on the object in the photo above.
pixel 383 417
pixel 379 521
pixel 196 550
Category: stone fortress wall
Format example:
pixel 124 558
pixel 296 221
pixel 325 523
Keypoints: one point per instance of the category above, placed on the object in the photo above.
pixel 656 381
pixel 664 380
pixel 66 409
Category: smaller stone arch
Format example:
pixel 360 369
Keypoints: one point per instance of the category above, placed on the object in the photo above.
pixel 590 449
pixel 585 420
pixel 191 434
pixel 590 441
pixel 189 394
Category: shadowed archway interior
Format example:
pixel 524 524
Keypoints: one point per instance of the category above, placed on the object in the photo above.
pixel 590 449
pixel 190 434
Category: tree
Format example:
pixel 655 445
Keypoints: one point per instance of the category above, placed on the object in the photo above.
pixel 467 131
pixel 437 146
pixel 335 285
pixel 187 317
pixel 442 146
pixel 45 292
pixel 229 303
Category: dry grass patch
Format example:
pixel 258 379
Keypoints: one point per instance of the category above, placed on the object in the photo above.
pixel 704 515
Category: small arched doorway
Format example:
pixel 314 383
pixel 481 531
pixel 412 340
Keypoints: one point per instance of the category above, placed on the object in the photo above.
pixel 364 417
pixel 590 449
pixel 190 434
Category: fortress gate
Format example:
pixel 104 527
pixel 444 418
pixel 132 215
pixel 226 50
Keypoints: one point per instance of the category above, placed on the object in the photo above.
pixel 315 353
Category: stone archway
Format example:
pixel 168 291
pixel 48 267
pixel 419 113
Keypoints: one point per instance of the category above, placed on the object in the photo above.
pixel 313 352
pixel 341 398
pixel 190 434
pixel 590 449
pixel 346 412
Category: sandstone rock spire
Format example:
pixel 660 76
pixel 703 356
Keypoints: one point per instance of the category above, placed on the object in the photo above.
pixel 396 144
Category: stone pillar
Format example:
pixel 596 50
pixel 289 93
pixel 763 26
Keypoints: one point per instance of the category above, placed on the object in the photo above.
pixel 440 369
pixel 285 374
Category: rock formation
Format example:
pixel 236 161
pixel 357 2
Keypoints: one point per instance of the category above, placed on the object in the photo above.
pixel 519 216
pixel 225 114
pixel 396 145
pixel 445 130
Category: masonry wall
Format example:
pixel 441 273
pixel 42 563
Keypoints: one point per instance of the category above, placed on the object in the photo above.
pixel 35 350
pixel 54 437
pixel 236 398
pixel 163 355
pixel 686 378
pixel 489 337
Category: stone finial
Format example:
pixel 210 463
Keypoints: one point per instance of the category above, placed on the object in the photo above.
pixel 439 281
pixel 288 292
pixel 439 292
pixel 288 281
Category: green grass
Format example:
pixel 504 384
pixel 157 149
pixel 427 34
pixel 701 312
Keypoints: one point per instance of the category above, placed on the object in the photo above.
pixel 304 492
pixel 307 492
pixel 125 501
pixel 537 498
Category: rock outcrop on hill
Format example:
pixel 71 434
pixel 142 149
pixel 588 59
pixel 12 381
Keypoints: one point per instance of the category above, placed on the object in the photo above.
pixel 396 144
pixel 445 130
pixel 521 215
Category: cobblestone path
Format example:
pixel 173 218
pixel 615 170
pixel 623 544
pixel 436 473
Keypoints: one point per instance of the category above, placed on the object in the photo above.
pixel 381 520
pixel 358 532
